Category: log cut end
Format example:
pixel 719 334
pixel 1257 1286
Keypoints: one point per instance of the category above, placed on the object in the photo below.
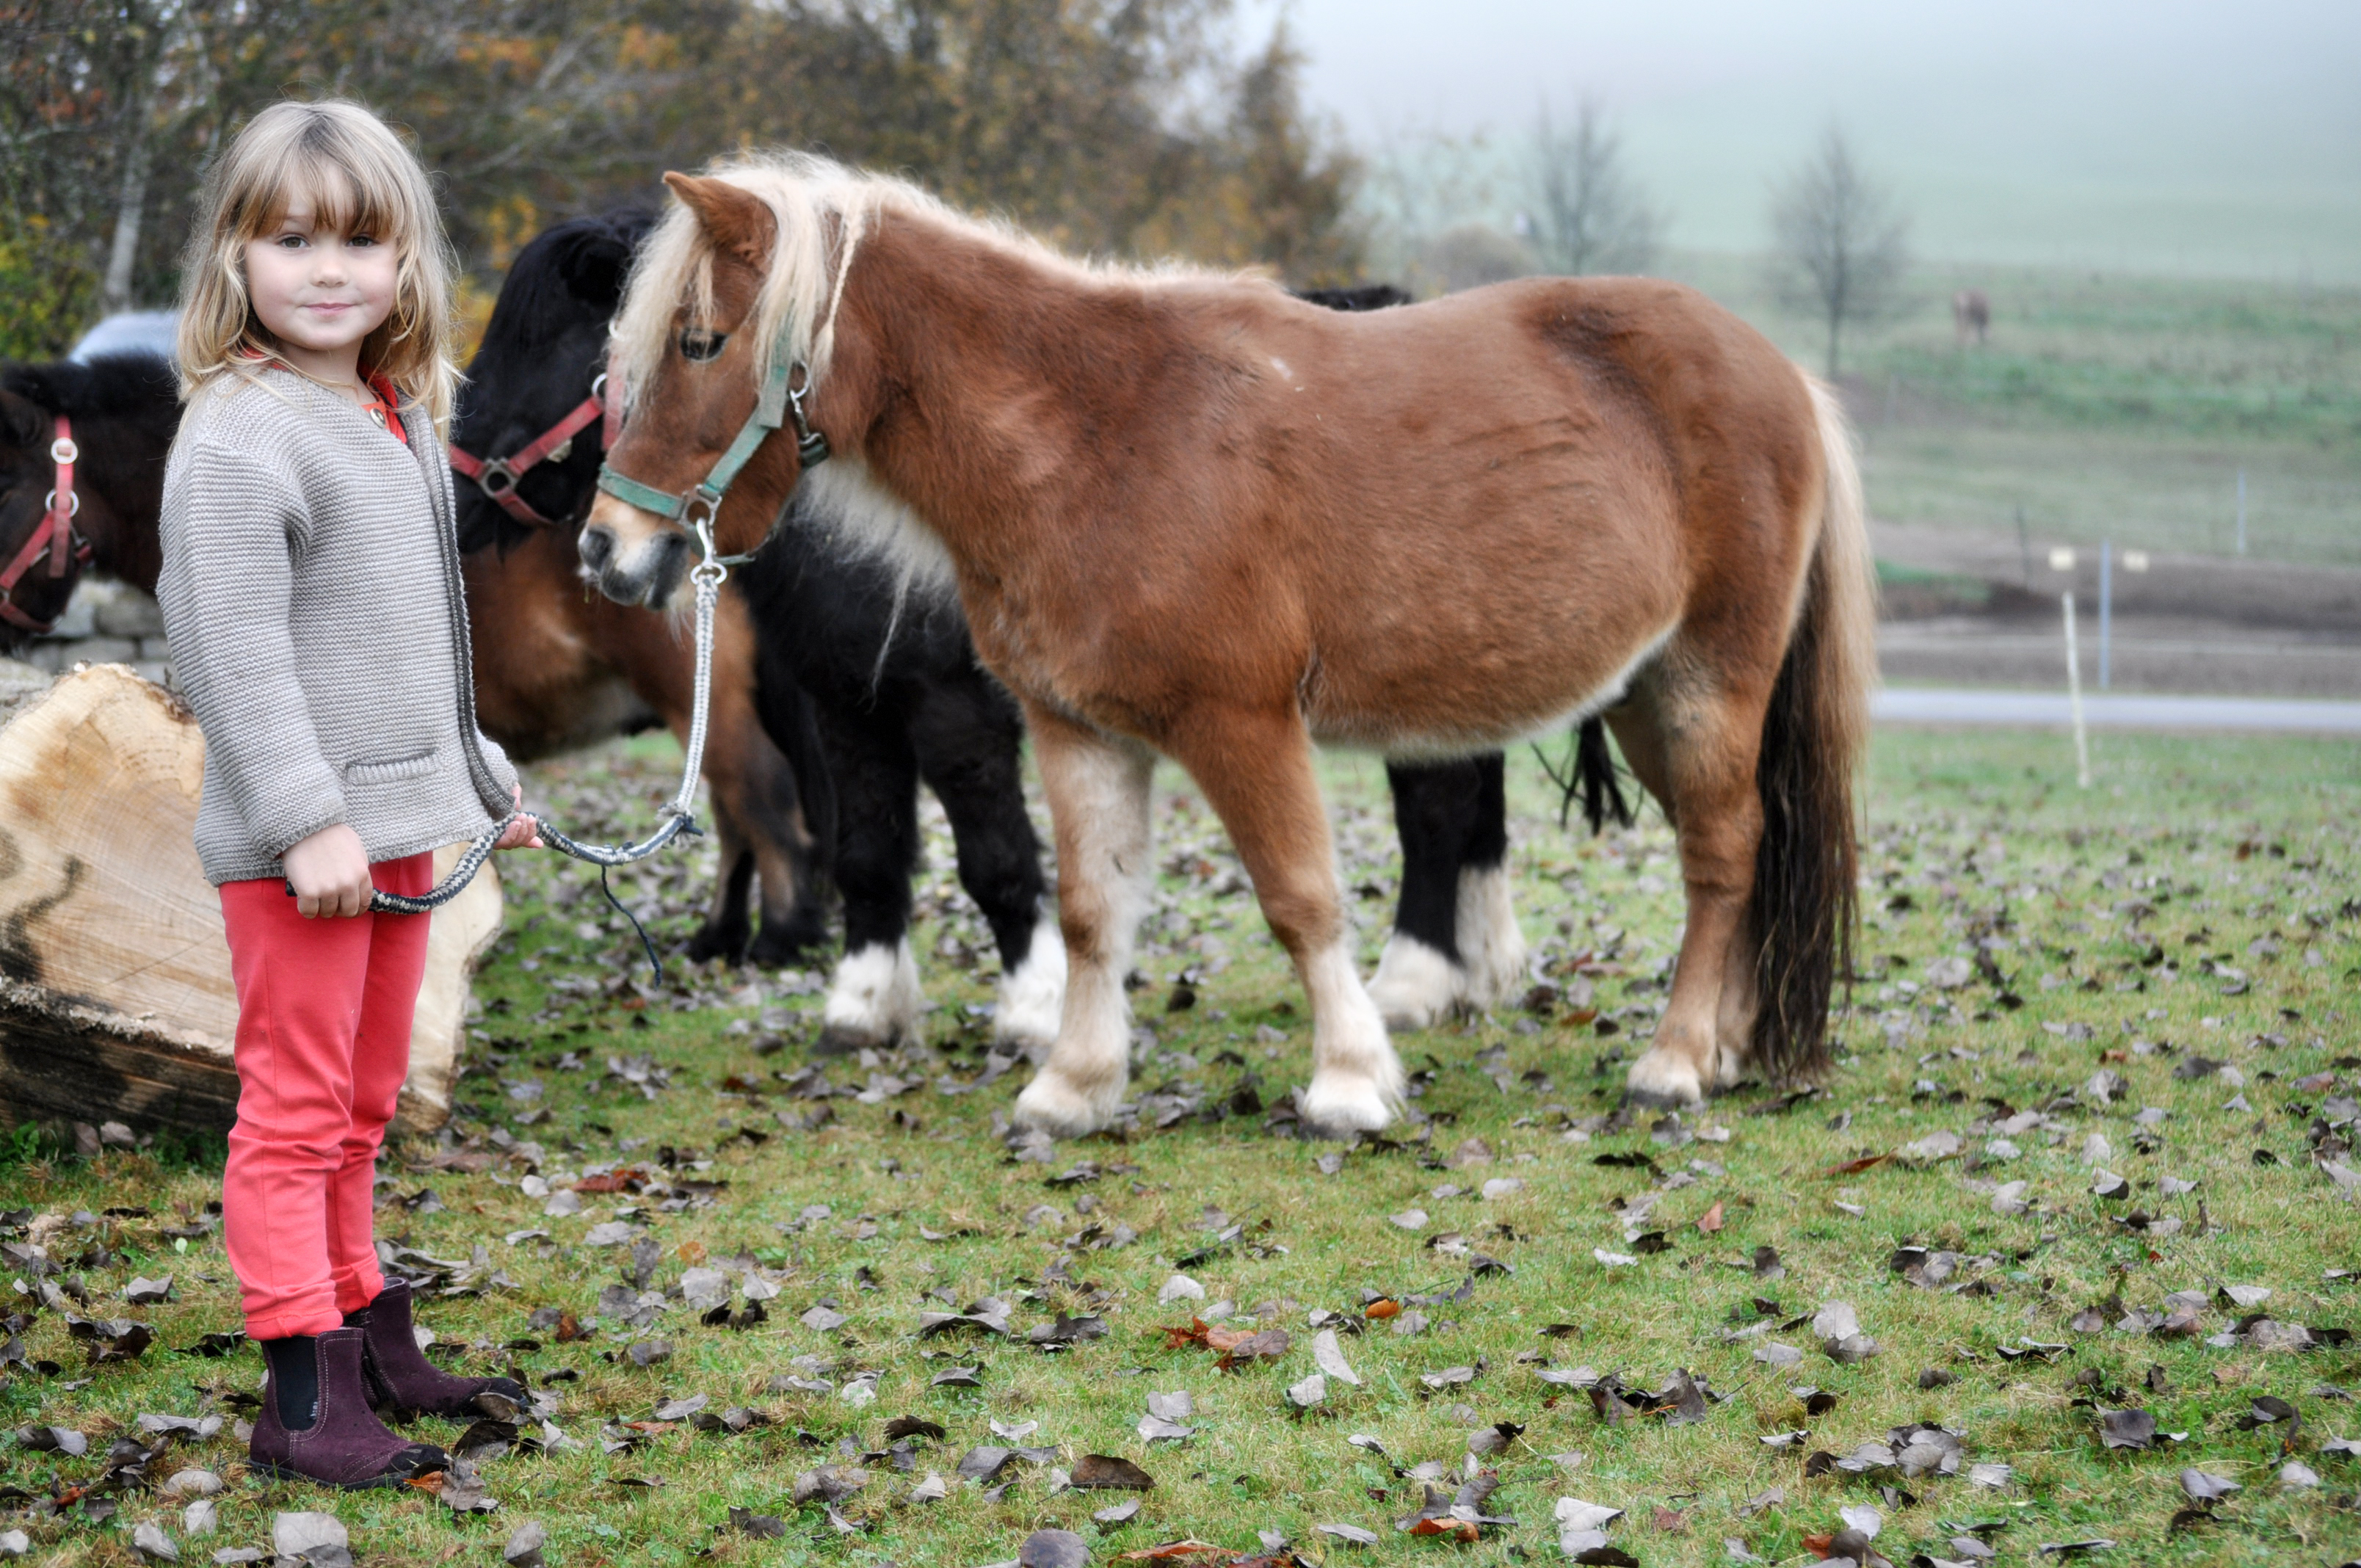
pixel 116 998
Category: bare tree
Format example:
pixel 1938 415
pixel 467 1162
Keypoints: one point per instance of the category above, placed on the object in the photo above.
pixel 1840 240
pixel 1589 216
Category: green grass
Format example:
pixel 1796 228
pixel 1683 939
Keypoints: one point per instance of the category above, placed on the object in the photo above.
pixel 2105 404
pixel 2199 848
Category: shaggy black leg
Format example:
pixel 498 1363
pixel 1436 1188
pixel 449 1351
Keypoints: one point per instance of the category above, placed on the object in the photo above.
pixel 967 737
pixel 1438 810
pixel 727 929
pixel 801 798
pixel 872 1000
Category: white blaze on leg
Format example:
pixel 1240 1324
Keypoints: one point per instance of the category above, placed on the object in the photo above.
pixel 1032 999
pixel 1492 947
pixel 1098 792
pixel 1415 987
pixel 875 997
pixel 1357 1079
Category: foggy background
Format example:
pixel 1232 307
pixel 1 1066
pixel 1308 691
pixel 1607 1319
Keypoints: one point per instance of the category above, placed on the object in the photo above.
pixel 2221 139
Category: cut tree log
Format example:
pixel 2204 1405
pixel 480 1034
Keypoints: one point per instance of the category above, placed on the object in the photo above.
pixel 116 998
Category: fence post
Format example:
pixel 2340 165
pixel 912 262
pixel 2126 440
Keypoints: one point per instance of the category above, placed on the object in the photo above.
pixel 2106 611
pixel 2074 698
pixel 2242 511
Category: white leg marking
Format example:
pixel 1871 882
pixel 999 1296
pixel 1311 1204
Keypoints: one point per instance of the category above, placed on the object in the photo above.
pixel 1357 1079
pixel 1491 948
pixel 875 997
pixel 1099 792
pixel 1033 999
pixel 1415 986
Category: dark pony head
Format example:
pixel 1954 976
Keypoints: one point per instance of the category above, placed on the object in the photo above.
pixel 123 410
pixel 543 347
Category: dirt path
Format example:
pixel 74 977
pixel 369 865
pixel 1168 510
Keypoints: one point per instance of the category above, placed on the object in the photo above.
pixel 2191 624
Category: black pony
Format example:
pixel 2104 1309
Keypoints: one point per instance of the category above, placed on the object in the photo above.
pixel 900 697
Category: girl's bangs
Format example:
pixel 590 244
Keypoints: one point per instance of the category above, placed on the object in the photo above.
pixel 344 197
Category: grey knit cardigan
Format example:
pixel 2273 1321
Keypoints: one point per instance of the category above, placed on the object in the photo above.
pixel 310 594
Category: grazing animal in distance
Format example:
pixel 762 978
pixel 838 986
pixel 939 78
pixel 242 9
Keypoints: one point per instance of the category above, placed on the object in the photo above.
pixel 1972 317
pixel 1188 513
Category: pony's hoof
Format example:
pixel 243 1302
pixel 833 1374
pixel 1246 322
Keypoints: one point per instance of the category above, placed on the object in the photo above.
pixel 840 1040
pixel 1058 1109
pixel 1340 1105
pixel 724 941
pixel 1660 1080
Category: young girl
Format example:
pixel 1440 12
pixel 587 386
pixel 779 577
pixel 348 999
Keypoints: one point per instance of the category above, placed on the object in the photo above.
pixel 310 592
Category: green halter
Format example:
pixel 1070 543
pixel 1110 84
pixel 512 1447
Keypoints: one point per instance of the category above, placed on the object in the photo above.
pixel 784 390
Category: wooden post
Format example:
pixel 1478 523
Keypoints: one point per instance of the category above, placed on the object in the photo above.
pixel 2074 699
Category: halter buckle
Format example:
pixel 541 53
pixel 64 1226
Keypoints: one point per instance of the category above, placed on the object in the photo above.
pixel 64 450
pixel 811 446
pixel 73 503
pixel 496 469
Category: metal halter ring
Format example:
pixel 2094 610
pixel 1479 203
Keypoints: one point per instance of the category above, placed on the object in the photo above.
pixel 73 502
pixel 64 450
pixel 496 469
pixel 599 386
pixel 698 507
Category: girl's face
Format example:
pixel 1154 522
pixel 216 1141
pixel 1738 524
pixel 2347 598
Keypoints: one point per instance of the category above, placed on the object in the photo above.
pixel 319 290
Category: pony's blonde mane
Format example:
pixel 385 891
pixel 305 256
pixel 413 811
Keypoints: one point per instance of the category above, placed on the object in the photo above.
pixel 822 210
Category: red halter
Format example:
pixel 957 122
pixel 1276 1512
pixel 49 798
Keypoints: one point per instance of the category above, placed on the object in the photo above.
pixel 497 476
pixel 53 536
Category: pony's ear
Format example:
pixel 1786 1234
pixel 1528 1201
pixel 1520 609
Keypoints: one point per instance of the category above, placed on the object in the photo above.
pixel 739 221
pixel 22 422
pixel 594 271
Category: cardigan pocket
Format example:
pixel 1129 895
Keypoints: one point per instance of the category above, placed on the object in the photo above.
pixel 389 769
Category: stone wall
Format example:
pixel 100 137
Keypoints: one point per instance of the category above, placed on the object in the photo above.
pixel 106 623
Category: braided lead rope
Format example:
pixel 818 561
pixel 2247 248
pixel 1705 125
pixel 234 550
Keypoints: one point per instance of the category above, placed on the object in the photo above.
pixel 680 813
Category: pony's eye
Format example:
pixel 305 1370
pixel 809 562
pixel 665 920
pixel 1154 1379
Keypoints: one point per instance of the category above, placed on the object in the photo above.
pixel 698 345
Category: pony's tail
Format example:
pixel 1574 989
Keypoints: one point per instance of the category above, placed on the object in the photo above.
pixel 1805 902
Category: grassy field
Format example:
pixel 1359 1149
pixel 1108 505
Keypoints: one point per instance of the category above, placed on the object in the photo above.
pixel 2185 932
pixel 2105 405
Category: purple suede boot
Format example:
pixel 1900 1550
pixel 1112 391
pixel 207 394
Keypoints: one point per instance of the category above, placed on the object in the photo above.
pixel 346 1445
pixel 401 1382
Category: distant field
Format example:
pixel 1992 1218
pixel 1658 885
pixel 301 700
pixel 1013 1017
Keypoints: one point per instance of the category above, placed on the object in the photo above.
pixel 2105 404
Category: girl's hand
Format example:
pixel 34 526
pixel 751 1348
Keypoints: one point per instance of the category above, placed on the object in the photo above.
pixel 330 873
pixel 524 833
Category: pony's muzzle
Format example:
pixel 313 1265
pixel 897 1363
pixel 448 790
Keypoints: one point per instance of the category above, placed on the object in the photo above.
pixel 642 571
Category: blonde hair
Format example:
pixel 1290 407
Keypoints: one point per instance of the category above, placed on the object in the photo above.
pixel 794 309
pixel 295 148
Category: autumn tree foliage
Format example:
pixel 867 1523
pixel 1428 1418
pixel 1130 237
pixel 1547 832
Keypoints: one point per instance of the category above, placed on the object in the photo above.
pixel 1119 127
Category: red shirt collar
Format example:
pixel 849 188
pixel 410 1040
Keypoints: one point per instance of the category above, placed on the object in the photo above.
pixel 385 406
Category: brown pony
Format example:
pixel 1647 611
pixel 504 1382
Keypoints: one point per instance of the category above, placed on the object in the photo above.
pixel 1188 514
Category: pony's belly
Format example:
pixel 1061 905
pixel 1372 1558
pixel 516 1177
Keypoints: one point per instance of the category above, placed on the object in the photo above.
pixel 1458 713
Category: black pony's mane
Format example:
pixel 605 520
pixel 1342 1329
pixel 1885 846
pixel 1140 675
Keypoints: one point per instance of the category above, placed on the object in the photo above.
pixel 114 384
pixel 580 262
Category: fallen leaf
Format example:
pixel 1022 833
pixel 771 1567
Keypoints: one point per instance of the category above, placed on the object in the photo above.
pixel 1102 1472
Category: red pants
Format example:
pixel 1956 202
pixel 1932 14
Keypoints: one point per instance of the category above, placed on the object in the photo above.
pixel 324 1011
